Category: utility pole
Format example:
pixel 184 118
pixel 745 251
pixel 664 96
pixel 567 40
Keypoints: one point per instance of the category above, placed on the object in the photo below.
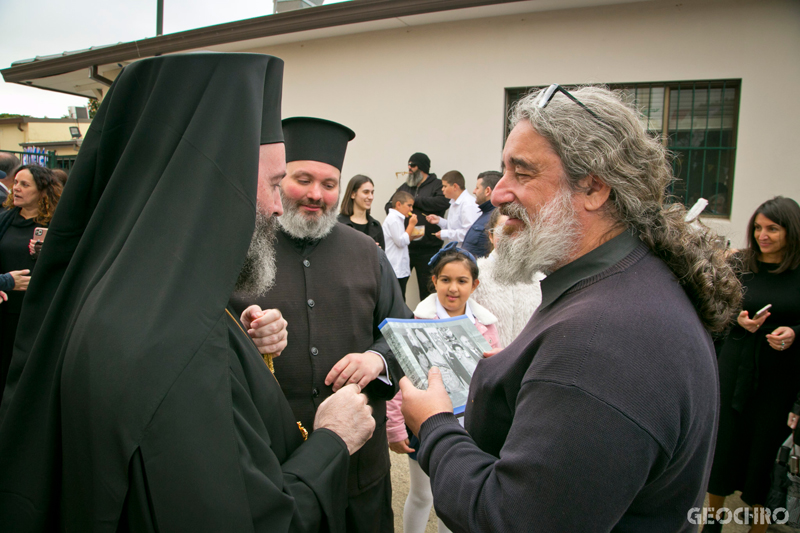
pixel 160 18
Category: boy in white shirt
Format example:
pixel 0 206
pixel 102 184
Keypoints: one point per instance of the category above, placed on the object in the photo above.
pixel 463 212
pixel 397 234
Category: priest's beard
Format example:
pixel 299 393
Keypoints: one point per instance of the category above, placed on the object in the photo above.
pixel 545 243
pixel 258 273
pixel 300 226
pixel 414 178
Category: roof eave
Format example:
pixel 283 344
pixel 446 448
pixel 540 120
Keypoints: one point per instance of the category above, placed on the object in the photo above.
pixel 328 16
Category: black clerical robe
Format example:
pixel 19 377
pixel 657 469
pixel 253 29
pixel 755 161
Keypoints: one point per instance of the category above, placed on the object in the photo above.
pixel 334 293
pixel 256 467
pixel 134 400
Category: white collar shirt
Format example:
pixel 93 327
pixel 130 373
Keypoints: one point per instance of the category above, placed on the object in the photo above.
pixel 397 240
pixel 462 214
pixel 441 312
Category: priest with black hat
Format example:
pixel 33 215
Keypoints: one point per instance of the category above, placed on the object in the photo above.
pixel 135 399
pixel 334 287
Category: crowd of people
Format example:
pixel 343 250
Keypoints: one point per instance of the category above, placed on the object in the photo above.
pixel 231 374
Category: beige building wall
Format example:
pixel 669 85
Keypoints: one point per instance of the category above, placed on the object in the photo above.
pixel 50 131
pixel 11 136
pixel 439 88
pixel 41 131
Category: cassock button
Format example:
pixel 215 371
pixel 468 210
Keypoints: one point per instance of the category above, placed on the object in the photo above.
pixel 311 303
pixel 314 350
pixel 306 263
pixel 315 392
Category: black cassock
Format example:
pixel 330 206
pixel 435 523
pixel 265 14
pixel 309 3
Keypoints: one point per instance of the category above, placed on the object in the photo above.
pixel 265 474
pixel 134 400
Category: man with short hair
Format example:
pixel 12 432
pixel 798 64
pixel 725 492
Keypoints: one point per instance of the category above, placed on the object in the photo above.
pixel 463 210
pixel 476 241
pixel 334 287
pixel 429 199
pixel 8 163
pixel 601 415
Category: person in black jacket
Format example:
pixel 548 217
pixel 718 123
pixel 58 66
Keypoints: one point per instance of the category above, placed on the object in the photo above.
pixel 429 199
pixel 476 241
pixel 356 206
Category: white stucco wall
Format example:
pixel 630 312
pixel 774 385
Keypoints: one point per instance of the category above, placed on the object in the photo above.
pixel 439 88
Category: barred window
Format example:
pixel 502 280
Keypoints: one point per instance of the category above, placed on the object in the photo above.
pixel 697 121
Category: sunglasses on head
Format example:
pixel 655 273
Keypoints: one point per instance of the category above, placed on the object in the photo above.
pixel 547 95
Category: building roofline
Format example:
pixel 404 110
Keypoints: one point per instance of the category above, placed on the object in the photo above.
pixel 45 144
pixel 26 120
pixel 332 15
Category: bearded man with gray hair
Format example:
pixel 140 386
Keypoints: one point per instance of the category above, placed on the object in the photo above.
pixel 601 415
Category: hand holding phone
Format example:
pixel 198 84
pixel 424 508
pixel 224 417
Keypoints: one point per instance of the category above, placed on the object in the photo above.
pixel 761 311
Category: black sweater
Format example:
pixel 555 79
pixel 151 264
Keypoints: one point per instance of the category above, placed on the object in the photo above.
pixel 373 229
pixel 600 416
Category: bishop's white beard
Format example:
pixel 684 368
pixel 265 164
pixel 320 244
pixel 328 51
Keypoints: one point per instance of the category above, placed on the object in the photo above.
pixel 258 273
pixel 300 226
pixel 546 242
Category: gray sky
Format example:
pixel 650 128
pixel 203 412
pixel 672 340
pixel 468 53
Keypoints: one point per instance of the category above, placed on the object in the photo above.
pixel 44 27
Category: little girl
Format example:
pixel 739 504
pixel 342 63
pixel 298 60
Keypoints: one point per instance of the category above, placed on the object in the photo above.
pixel 455 277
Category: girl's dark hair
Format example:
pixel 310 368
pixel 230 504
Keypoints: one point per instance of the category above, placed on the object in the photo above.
pixel 489 229
pixel 452 257
pixel 45 182
pixel 786 213
pixel 347 202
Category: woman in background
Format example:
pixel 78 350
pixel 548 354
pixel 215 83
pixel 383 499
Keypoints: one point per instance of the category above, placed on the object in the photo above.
pixel 759 360
pixel 512 304
pixel 30 205
pixel 356 206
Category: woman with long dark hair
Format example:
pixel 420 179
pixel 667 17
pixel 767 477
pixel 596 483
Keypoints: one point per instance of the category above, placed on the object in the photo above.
pixel 30 205
pixel 355 209
pixel 759 360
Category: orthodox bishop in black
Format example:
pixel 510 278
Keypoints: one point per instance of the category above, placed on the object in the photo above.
pixel 135 401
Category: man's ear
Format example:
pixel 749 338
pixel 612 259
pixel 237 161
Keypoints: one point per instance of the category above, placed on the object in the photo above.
pixel 595 192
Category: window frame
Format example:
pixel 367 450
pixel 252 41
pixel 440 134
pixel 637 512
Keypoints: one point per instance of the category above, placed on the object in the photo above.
pixel 668 136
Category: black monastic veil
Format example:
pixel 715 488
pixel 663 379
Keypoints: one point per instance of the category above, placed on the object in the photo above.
pixel 131 403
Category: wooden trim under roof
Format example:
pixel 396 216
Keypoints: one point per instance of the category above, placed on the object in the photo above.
pixel 332 15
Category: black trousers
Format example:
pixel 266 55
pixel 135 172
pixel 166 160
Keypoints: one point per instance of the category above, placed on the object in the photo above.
pixel 419 262
pixel 371 511
pixel 403 283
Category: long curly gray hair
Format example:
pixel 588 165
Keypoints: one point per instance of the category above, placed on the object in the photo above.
pixel 618 150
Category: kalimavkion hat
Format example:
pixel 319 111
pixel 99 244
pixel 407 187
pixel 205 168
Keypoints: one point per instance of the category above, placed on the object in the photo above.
pixel 316 139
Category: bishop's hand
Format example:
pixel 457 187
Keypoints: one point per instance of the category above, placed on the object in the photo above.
pixel 267 328
pixel 347 414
